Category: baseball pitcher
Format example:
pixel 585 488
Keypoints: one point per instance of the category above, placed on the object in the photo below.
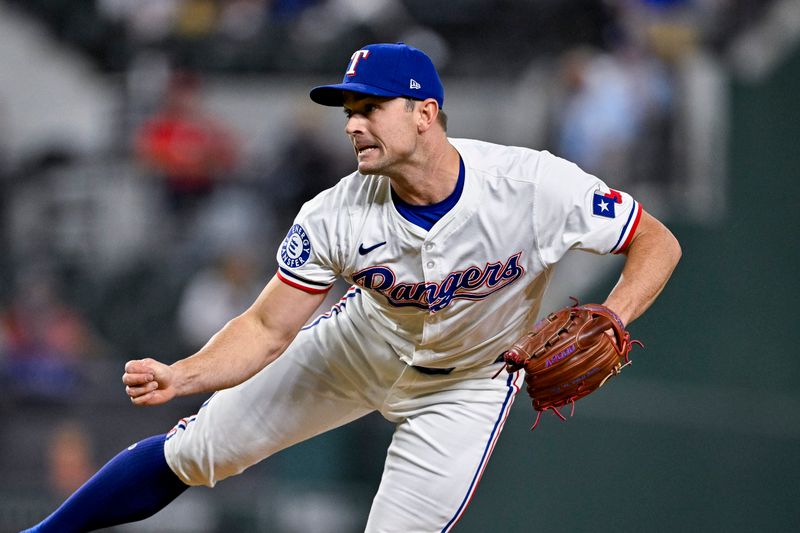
pixel 448 245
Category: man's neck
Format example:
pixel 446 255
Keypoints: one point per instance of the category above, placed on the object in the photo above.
pixel 431 182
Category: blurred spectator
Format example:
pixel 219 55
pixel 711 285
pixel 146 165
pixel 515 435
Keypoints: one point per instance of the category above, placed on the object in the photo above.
pixel 186 147
pixel 597 121
pixel 217 294
pixel 654 91
pixel 612 111
pixel 670 29
pixel 46 339
pixel 290 9
pixel 145 21
pixel 196 18
pixel 305 166
pixel 334 21
pixel 5 194
pixel 241 20
pixel 69 459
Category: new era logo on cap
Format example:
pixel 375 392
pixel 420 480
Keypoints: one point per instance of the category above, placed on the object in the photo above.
pixel 389 70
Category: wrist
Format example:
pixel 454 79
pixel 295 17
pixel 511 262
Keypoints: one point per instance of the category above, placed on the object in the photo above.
pixel 179 379
pixel 623 317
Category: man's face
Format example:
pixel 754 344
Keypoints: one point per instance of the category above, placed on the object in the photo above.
pixel 383 132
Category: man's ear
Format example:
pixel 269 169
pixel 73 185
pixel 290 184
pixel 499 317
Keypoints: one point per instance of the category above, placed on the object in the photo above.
pixel 428 111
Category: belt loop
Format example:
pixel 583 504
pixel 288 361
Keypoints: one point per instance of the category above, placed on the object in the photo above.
pixel 444 371
pixel 433 371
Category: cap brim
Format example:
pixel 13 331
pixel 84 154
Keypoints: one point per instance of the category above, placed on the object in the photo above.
pixel 333 95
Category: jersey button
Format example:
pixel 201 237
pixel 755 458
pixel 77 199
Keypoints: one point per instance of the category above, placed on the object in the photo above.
pixel 429 246
pixel 430 264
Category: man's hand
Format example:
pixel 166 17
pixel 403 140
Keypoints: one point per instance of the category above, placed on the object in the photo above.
pixel 148 382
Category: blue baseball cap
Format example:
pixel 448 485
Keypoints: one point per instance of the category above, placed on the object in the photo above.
pixel 389 70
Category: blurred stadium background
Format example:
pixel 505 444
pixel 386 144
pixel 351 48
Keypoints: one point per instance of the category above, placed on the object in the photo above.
pixel 153 154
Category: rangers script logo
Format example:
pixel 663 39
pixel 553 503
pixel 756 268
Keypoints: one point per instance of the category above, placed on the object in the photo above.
pixel 473 283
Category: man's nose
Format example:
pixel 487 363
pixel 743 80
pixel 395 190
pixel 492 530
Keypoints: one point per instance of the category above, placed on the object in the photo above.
pixel 354 124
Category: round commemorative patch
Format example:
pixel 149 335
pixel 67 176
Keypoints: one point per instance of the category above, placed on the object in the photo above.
pixel 296 248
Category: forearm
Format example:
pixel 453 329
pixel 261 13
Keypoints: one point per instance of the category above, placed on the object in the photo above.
pixel 237 352
pixel 651 259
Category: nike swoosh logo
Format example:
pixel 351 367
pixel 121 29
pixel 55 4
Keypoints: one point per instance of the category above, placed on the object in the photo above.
pixel 364 251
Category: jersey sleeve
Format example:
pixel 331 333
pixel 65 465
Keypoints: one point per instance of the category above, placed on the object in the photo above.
pixel 307 258
pixel 575 210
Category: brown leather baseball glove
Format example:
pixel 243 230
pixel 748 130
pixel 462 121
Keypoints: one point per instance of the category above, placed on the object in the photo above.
pixel 569 354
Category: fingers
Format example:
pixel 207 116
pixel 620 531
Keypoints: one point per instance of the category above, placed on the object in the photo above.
pixel 135 380
pixel 137 392
pixel 147 398
pixel 140 381
pixel 148 382
pixel 141 371
pixel 140 366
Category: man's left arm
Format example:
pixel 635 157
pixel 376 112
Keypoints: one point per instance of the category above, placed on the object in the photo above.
pixel 651 257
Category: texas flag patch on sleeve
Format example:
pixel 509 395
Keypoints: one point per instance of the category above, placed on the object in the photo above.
pixel 603 204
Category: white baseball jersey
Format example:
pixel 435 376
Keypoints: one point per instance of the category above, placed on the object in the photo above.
pixel 455 295
pixel 452 298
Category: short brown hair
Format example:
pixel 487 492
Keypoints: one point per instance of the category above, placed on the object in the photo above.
pixel 441 118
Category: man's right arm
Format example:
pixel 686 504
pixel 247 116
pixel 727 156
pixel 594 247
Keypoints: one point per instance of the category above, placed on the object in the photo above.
pixel 243 347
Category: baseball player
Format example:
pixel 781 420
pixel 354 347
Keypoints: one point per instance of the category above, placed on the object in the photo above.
pixel 448 245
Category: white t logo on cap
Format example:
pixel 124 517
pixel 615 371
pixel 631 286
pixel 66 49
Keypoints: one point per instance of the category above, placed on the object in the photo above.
pixel 354 59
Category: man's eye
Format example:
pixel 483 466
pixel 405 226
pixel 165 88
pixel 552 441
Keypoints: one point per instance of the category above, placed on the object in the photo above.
pixel 365 110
